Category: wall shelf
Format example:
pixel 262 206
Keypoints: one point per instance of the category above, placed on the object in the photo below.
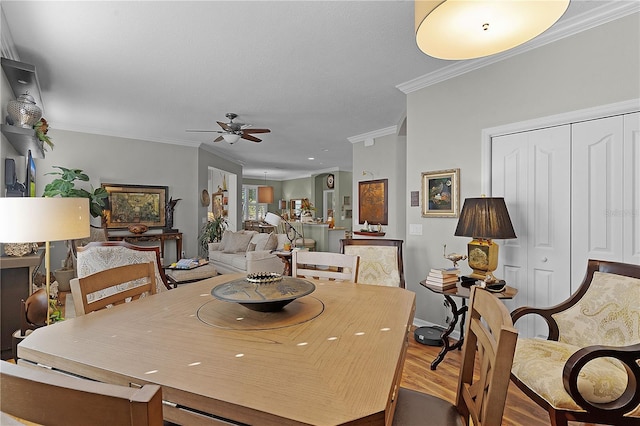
pixel 23 140
pixel 22 79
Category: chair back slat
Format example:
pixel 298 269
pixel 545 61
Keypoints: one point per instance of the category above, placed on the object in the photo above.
pixel 324 265
pixel 140 275
pixel 39 396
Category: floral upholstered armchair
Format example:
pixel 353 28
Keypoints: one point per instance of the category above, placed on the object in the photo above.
pixel 380 260
pixel 587 370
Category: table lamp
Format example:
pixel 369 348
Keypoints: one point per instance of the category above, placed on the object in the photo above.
pixel 32 219
pixel 292 233
pixel 484 219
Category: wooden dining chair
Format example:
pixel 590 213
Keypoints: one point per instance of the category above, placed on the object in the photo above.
pixel 324 266
pixel 113 287
pixel 100 255
pixel 380 260
pixel 42 397
pixel 489 345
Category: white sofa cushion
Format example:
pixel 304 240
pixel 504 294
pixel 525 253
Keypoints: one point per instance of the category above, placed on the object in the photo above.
pixel 264 241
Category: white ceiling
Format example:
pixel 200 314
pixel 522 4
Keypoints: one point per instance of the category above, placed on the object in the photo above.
pixel 314 72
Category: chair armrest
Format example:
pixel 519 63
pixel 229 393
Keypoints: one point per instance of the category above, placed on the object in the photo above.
pixel 263 261
pixel 554 332
pixel 630 398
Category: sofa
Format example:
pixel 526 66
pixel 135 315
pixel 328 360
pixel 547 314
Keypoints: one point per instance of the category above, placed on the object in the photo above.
pixel 247 252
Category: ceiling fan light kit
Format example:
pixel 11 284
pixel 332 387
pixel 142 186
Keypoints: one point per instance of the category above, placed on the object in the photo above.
pixel 232 132
pixel 463 29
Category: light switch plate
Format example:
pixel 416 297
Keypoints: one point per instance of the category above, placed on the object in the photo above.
pixel 415 229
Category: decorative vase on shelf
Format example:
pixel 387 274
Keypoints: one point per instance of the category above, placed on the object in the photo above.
pixel 23 111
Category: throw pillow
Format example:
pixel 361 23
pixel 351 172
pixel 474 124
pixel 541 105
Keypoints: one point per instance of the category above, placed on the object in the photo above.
pixel 238 242
pixel 226 237
pixel 260 240
pixel 272 242
pixel 251 247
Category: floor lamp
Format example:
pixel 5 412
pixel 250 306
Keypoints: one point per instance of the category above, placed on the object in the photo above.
pixel 274 219
pixel 27 219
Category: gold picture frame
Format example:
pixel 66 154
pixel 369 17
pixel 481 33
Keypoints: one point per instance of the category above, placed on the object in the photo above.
pixel 441 193
pixel 135 205
pixel 217 207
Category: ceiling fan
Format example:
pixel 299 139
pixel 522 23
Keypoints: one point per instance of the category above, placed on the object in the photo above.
pixel 232 132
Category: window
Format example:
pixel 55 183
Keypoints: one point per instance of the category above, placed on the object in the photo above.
pixel 251 209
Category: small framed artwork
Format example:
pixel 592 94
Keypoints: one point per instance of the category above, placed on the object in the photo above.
pixel 441 193
pixel 135 204
pixel 373 202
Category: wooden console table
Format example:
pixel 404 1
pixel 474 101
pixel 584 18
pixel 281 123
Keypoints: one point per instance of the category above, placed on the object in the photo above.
pixel 134 238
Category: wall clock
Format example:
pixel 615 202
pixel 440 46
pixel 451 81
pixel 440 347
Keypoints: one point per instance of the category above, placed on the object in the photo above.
pixel 330 181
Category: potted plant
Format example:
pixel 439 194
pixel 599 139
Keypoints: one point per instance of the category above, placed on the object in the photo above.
pixel 64 186
pixel 211 232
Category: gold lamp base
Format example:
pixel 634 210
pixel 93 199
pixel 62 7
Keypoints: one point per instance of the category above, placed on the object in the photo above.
pixel 483 259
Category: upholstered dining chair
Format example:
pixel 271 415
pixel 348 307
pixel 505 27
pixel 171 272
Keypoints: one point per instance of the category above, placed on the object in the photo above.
pixel 380 260
pixel 324 265
pixel 39 396
pixel 98 256
pixel 128 282
pixel 588 368
pixel 489 344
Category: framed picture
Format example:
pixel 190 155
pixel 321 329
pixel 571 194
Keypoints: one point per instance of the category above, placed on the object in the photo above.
pixel 217 207
pixel 135 204
pixel 441 193
pixel 373 202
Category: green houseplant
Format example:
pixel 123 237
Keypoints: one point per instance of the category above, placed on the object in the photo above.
pixel 211 232
pixel 65 186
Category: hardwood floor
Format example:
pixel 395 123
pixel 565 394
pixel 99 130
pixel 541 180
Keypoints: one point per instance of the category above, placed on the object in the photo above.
pixel 442 382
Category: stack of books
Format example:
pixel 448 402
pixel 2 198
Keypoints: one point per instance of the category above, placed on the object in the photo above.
pixel 443 277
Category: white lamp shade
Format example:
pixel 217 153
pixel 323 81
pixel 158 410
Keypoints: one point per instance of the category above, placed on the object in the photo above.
pixel 33 219
pixel 272 219
pixel 464 29
pixel 265 194
pixel 231 137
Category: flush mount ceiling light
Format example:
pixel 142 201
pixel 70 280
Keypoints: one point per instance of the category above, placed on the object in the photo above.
pixel 467 29
pixel 231 137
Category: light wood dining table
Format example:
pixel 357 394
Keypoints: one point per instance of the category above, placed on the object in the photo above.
pixel 332 357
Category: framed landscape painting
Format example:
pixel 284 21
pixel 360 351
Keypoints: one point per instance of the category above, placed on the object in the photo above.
pixel 373 202
pixel 135 204
pixel 441 193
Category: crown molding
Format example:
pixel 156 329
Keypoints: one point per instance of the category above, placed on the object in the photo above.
pixel 598 16
pixel 363 137
pixel 8 46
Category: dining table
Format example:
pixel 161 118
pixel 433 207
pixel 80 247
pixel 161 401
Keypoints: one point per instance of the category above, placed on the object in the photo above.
pixel 331 357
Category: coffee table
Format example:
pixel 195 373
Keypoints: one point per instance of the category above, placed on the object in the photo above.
pixel 334 356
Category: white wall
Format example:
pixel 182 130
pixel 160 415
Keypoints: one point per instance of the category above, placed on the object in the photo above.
pixel 445 121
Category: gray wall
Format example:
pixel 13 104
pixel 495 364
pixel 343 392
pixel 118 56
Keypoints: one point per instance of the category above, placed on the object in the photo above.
pixel 445 121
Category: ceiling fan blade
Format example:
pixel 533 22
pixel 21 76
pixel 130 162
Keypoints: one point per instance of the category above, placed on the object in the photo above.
pixel 245 131
pixel 225 126
pixel 250 138
pixel 218 139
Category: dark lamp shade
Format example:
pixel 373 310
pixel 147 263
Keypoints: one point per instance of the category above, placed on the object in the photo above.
pixel 486 218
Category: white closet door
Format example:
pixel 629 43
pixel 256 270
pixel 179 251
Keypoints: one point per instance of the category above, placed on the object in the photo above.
pixel 531 170
pixel 598 189
pixel 631 198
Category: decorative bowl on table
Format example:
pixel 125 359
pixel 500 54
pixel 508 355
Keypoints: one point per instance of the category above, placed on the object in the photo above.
pixel 138 229
pixel 266 292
